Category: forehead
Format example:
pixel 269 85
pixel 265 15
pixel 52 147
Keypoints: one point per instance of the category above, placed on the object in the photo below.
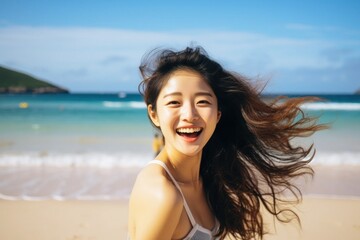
pixel 186 80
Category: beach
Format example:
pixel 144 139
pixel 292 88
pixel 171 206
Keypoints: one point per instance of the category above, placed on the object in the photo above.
pixel 322 218
pixel 68 163
pixel 329 210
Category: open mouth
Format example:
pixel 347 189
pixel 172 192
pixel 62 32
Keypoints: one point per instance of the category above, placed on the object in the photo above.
pixel 189 132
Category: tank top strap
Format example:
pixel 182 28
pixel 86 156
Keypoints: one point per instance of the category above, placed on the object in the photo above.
pixel 187 209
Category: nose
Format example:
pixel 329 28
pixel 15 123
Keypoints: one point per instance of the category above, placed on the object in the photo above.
pixel 189 112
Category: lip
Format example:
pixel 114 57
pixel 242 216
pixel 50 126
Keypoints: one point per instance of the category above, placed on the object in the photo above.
pixel 188 137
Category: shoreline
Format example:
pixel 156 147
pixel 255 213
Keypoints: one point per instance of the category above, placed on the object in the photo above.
pixel 94 183
pixel 321 218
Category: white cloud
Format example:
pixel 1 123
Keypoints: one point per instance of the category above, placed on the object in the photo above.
pixel 96 59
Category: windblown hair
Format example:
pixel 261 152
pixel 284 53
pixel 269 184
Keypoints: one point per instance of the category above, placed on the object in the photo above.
pixel 250 161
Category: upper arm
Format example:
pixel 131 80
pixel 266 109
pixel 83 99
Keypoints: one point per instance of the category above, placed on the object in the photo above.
pixel 155 208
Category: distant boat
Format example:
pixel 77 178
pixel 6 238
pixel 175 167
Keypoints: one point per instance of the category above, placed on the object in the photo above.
pixel 122 94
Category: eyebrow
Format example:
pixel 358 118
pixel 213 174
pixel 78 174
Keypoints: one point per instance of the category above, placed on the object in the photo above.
pixel 196 94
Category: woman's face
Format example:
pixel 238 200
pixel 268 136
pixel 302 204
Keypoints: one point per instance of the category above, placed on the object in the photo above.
pixel 186 112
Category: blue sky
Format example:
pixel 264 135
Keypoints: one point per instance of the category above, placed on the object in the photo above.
pixel 96 46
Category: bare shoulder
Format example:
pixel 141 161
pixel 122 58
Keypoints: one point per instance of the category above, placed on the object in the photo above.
pixel 155 204
pixel 153 182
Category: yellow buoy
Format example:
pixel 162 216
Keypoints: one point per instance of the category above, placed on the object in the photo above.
pixel 23 105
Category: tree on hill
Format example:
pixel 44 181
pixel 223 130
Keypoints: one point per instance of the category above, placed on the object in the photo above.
pixel 16 82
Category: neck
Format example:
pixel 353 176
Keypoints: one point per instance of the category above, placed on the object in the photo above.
pixel 185 169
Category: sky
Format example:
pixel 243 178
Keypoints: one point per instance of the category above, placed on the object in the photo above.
pixel 96 46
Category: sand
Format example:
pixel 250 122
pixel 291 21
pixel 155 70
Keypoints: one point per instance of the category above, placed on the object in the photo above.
pixel 63 220
pixel 322 218
pixel 330 210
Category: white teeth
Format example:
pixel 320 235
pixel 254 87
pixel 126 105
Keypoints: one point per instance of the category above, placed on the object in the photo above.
pixel 188 130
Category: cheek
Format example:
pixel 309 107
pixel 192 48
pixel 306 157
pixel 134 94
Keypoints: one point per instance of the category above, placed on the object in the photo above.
pixel 212 121
pixel 166 118
pixel 211 116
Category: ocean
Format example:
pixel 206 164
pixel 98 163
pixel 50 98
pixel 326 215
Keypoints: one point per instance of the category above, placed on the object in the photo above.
pixel 91 146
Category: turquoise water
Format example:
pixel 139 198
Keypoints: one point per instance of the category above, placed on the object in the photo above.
pixel 79 112
pixel 114 123
pixel 57 137
pixel 73 122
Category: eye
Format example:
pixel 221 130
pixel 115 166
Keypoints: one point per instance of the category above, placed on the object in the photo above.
pixel 204 102
pixel 172 103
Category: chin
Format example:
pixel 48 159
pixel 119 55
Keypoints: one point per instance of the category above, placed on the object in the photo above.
pixel 191 152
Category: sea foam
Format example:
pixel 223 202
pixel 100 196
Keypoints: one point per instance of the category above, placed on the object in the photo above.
pixel 93 176
pixel 124 105
pixel 95 159
pixel 332 106
pixel 130 159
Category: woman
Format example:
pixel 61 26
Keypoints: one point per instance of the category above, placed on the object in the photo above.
pixel 226 152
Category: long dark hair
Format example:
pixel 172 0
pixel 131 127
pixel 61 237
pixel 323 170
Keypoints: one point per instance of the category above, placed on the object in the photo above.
pixel 250 160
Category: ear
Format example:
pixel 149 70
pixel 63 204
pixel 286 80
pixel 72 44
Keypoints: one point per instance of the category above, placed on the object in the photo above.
pixel 218 116
pixel 153 115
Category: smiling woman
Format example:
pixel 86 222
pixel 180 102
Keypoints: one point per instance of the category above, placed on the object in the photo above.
pixel 187 112
pixel 226 152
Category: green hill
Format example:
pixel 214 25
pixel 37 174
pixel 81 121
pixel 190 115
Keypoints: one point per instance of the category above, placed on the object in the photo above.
pixel 16 82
